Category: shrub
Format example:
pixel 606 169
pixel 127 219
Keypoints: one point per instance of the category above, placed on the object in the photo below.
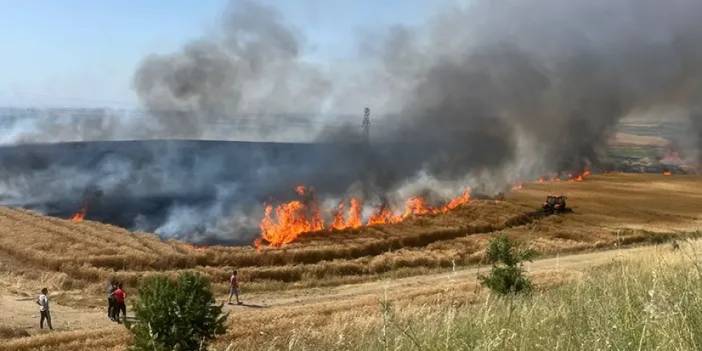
pixel 507 275
pixel 176 315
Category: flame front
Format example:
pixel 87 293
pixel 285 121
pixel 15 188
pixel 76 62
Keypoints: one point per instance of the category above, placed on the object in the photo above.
pixel 284 223
pixel 457 201
pixel 339 221
pixel 353 220
pixel 355 212
pixel 290 219
pixel 80 215
pixel 580 177
pixel 383 215
pixel 417 206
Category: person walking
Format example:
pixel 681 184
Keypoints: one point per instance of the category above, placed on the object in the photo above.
pixel 111 287
pixel 234 288
pixel 120 306
pixel 43 302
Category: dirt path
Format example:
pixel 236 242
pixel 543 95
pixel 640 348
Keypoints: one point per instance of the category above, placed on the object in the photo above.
pixel 22 312
pixel 426 284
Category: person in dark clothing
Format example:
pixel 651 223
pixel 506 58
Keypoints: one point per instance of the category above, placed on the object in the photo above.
pixel 111 287
pixel 43 302
pixel 120 306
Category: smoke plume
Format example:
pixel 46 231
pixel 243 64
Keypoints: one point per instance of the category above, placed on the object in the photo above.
pixel 558 75
pixel 482 95
pixel 250 66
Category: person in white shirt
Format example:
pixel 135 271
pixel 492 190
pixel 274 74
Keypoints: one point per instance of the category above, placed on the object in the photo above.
pixel 43 302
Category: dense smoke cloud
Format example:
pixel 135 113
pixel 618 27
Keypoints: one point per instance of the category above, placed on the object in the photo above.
pixel 250 66
pixel 194 190
pixel 481 95
pixel 557 74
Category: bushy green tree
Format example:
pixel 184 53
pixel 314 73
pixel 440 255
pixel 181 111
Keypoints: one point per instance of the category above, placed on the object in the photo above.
pixel 507 275
pixel 176 314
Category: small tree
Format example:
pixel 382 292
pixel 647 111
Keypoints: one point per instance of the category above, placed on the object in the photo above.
pixel 176 315
pixel 507 275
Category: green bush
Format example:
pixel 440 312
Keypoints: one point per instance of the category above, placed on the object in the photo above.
pixel 176 315
pixel 507 275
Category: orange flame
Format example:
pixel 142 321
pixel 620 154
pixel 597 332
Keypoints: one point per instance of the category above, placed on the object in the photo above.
pixel 579 177
pixel 339 221
pixel 383 215
pixel 417 206
pixel 80 215
pixel 287 221
pixel 355 213
pixel 284 223
pixel 354 219
pixel 457 201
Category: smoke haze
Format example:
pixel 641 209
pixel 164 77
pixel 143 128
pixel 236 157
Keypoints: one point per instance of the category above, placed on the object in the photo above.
pixel 481 95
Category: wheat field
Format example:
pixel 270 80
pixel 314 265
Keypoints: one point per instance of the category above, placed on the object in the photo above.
pixel 75 260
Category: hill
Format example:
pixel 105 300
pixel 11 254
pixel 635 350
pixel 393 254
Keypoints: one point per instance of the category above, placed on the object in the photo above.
pixel 76 259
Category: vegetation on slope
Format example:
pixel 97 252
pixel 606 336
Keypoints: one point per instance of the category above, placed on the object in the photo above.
pixel 506 275
pixel 609 209
pixel 643 304
pixel 176 314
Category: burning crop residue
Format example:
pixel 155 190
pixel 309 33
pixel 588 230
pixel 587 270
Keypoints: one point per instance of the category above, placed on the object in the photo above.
pixel 353 219
pixel 286 222
pixel 580 177
pixel 572 177
pixel 80 215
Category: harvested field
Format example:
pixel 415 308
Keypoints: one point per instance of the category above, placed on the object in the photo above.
pixel 608 209
pixel 76 259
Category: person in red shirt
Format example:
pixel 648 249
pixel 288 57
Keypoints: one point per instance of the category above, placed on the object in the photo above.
pixel 120 306
pixel 234 288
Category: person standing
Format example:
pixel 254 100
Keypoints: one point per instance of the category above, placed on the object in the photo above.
pixel 43 302
pixel 120 306
pixel 234 288
pixel 111 287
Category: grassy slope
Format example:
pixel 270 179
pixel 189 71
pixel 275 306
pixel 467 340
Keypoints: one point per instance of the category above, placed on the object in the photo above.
pixel 609 209
pixel 645 303
pixel 75 259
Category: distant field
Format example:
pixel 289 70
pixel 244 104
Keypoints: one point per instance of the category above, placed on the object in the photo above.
pixel 607 208
pixel 76 259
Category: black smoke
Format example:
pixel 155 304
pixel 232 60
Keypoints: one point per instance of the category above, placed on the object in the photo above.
pixel 194 190
pixel 482 94
pixel 558 75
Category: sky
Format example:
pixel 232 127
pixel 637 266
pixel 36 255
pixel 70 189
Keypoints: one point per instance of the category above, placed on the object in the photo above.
pixel 83 53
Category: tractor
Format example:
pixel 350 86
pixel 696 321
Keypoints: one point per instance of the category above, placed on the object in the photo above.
pixel 555 204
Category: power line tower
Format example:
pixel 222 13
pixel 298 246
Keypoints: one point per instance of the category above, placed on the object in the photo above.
pixel 366 125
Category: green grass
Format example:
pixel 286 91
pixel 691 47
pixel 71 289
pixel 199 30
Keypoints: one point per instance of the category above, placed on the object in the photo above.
pixel 654 303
